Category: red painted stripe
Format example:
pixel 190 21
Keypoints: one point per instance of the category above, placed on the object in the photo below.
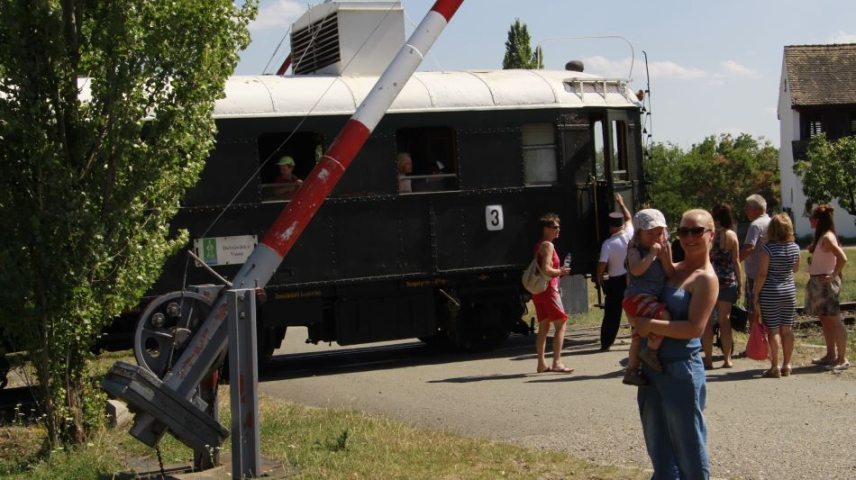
pixel 349 142
pixel 287 228
pixel 447 8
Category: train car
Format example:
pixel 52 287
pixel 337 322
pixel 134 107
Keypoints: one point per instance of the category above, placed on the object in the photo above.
pixel 491 152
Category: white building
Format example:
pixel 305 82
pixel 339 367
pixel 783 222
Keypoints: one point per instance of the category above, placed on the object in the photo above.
pixel 817 93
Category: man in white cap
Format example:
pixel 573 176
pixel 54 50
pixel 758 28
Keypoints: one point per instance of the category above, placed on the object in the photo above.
pixel 613 254
pixel 756 237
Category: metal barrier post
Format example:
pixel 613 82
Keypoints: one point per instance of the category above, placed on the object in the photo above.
pixel 243 381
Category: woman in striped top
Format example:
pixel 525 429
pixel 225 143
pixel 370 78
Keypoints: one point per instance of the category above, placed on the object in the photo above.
pixel 776 293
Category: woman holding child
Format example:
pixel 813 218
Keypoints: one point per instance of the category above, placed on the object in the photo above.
pixel 671 406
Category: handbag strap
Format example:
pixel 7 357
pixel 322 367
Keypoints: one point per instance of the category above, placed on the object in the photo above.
pixel 537 263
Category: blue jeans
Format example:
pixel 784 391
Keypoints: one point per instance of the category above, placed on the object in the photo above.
pixel 672 420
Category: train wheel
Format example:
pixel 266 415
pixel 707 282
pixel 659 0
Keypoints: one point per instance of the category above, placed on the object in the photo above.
pixel 268 340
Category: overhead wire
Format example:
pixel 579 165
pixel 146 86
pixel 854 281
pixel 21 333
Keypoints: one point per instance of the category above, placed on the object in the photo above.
pixel 303 120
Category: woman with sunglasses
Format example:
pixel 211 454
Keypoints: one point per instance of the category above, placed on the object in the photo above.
pixel 548 304
pixel 671 406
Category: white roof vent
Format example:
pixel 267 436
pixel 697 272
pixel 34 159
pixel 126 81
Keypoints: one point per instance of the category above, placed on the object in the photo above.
pixel 359 38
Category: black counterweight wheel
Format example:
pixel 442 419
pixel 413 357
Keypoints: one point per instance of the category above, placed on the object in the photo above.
pixel 166 327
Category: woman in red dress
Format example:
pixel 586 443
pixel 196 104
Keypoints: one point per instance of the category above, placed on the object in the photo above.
pixel 548 304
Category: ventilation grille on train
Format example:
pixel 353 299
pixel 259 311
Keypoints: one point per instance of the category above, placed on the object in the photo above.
pixel 316 46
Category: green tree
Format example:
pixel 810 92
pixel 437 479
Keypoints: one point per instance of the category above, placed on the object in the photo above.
pixel 828 172
pixel 105 121
pixel 719 169
pixel 518 49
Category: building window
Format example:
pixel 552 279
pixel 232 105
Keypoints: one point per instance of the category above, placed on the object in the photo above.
pixel 539 154
pixel 814 128
pixel 853 123
pixel 285 159
pixel 432 154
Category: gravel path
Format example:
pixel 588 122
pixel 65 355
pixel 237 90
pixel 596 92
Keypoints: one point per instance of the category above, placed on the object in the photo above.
pixel 802 427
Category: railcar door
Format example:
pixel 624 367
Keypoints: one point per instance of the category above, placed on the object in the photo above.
pixel 601 148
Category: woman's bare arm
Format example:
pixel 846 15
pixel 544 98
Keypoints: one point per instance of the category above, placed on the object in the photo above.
pixel 545 251
pixel 704 289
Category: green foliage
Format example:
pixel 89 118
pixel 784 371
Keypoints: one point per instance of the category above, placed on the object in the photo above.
pixel 105 121
pixel 828 172
pixel 518 49
pixel 719 169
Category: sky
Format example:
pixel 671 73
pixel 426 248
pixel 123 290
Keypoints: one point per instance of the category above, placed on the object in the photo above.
pixel 715 66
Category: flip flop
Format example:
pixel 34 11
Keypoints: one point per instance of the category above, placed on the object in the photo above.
pixel 545 370
pixel 771 373
pixel 562 369
pixel 822 361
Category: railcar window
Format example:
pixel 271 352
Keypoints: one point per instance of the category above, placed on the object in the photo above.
pixel 539 154
pixel 285 158
pixel 599 150
pixel 619 151
pixel 433 154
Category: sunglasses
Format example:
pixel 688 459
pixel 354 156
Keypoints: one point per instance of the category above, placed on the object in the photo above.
pixel 695 231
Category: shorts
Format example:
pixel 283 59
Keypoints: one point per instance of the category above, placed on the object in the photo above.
pixel 747 296
pixel 727 293
pixel 643 305
pixel 823 298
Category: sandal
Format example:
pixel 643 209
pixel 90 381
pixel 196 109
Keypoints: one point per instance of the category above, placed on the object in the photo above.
pixel 822 361
pixel 771 373
pixel 727 365
pixel 544 370
pixel 786 371
pixel 561 369
pixel 839 367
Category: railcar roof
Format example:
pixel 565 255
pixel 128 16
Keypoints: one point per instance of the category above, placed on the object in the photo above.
pixel 267 96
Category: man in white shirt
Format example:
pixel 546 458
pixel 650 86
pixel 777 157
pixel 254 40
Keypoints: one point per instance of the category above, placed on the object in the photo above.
pixel 756 237
pixel 613 254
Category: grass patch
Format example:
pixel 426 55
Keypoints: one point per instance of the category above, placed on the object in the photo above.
pixel 314 443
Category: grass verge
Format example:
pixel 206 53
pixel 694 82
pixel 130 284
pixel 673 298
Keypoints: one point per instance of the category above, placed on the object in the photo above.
pixel 313 443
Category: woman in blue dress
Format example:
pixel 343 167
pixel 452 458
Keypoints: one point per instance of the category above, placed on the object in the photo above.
pixel 776 293
pixel 672 405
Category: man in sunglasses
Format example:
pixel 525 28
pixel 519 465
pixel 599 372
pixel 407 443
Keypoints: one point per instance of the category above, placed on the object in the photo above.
pixel 756 237
pixel 613 254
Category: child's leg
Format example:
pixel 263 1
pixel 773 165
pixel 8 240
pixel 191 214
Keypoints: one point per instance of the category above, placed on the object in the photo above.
pixel 659 312
pixel 633 355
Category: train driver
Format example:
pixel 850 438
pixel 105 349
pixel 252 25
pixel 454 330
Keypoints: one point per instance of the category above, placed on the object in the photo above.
pixel 287 182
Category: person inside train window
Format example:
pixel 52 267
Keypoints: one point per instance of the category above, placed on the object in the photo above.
pixel 287 182
pixel 405 168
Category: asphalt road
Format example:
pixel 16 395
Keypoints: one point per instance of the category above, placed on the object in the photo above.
pixel 801 427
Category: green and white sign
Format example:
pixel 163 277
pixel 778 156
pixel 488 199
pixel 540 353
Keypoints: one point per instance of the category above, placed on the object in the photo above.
pixel 224 250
